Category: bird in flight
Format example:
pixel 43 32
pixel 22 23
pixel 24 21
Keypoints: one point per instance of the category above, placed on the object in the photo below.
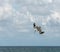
pixel 38 28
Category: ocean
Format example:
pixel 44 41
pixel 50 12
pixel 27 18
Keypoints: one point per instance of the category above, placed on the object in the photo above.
pixel 29 49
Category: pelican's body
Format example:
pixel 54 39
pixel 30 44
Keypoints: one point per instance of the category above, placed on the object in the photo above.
pixel 38 28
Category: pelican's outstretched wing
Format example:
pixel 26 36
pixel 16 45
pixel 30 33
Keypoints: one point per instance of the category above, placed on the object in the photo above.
pixel 41 32
pixel 34 25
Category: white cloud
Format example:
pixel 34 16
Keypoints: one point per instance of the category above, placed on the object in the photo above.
pixel 1 29
pixel 18 18
pixel 5 11
pixel 45 21
pixel 7 8
pixel 20 22
pixel 56 16
pixel 48 1
pixel 32 19
pixel 23 30
pixel 1 11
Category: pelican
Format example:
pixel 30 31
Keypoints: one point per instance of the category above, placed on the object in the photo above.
pixel 38 28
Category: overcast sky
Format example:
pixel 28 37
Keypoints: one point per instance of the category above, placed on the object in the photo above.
pixel 17 18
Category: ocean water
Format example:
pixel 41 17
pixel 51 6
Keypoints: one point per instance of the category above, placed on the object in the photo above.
pixel 29 49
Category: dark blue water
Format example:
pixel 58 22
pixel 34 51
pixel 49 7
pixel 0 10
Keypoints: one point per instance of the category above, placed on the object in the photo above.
pixel 28 49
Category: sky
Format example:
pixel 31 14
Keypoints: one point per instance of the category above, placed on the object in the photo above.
pixel 17 18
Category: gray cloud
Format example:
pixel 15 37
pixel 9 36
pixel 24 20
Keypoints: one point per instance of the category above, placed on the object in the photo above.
pixel 22 13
